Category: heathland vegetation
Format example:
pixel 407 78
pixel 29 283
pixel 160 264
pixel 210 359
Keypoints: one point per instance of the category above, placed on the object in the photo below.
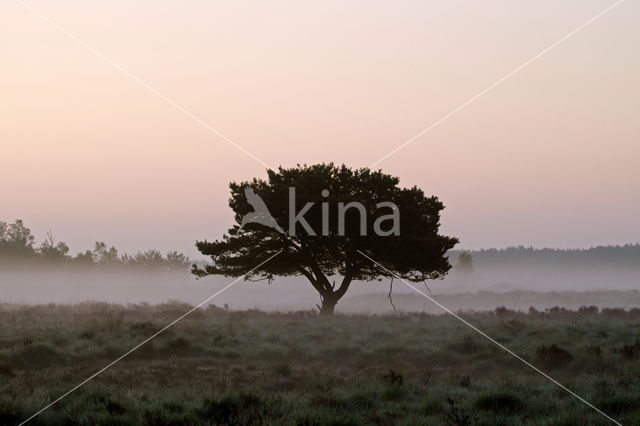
pixel 221 367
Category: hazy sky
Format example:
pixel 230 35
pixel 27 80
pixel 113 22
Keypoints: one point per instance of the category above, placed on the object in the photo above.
pixel 549 158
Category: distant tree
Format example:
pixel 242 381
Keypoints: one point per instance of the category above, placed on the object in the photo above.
pixel 84 259
pixel 145 259
pixel 177 260
pixel 103 255
pixel 149 258
pixel 415 253
pixel 53 251
pixel 465 262
pixel 153 260
pixel 16 240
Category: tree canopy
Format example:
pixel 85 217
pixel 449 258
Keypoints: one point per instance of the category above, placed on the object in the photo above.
pixel 332 245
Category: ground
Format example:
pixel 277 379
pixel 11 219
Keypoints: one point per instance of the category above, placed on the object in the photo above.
pixel 222 367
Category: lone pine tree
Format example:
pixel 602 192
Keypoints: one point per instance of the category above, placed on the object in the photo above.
pixel 321 219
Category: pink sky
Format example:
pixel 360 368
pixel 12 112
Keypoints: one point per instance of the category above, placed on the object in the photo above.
pixel 548 158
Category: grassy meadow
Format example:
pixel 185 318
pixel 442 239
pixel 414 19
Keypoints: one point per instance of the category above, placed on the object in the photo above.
pixel 220 367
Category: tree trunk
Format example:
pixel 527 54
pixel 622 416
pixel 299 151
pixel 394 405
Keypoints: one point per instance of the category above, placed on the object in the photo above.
pixel 328 305
pixel 328 294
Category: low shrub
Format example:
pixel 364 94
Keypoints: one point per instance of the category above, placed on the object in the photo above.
pixel 467 345
pixel 37 356
pixel 244 408
pixel 178 346
pixel 282 370
pixel 6 370
pixel 629 351
pixel 618 404
pixel 455 415
pixel 393 378
pixel 500 402
pixel 553 356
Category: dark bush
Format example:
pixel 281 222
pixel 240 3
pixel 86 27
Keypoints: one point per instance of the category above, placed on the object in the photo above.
pixel 466 346
pixel 6 370
pixel 503 311
pixel 88 334
pixel 282 370
pixel 500 402
pixel 465 381
pixel 595 351
pixel 143 327
pixel 10 412
pixel 456 415
pixel 393 378
pixel 179 345
pixel 614 312
pixel 111 405
pixel 553 356
pixel 588 309
pixel 37 356
pixel 160 417
pixel 629 351
pixel 241 409
pixel 557 310
pixel 618 404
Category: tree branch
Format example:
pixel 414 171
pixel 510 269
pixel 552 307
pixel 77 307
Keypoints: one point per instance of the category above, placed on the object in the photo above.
pixel 344 286
pixel 321 279
pixel 312 279
pixel 391 298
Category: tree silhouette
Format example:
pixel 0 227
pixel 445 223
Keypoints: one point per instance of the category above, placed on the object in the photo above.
pixel 16 240
pixel 465 262
pixel 329 247
pixel 53 251
pixel 104 255
pixel 17 250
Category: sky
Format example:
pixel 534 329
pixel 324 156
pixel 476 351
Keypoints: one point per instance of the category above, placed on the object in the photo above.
pixel 548 158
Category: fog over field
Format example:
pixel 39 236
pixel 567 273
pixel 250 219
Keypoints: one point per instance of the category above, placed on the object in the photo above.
pixel 509 278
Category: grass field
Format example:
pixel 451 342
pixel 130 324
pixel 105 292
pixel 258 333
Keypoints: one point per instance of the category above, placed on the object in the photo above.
pixel 222 367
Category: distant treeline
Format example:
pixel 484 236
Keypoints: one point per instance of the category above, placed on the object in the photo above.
pixel 18 248
pixel 626 255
